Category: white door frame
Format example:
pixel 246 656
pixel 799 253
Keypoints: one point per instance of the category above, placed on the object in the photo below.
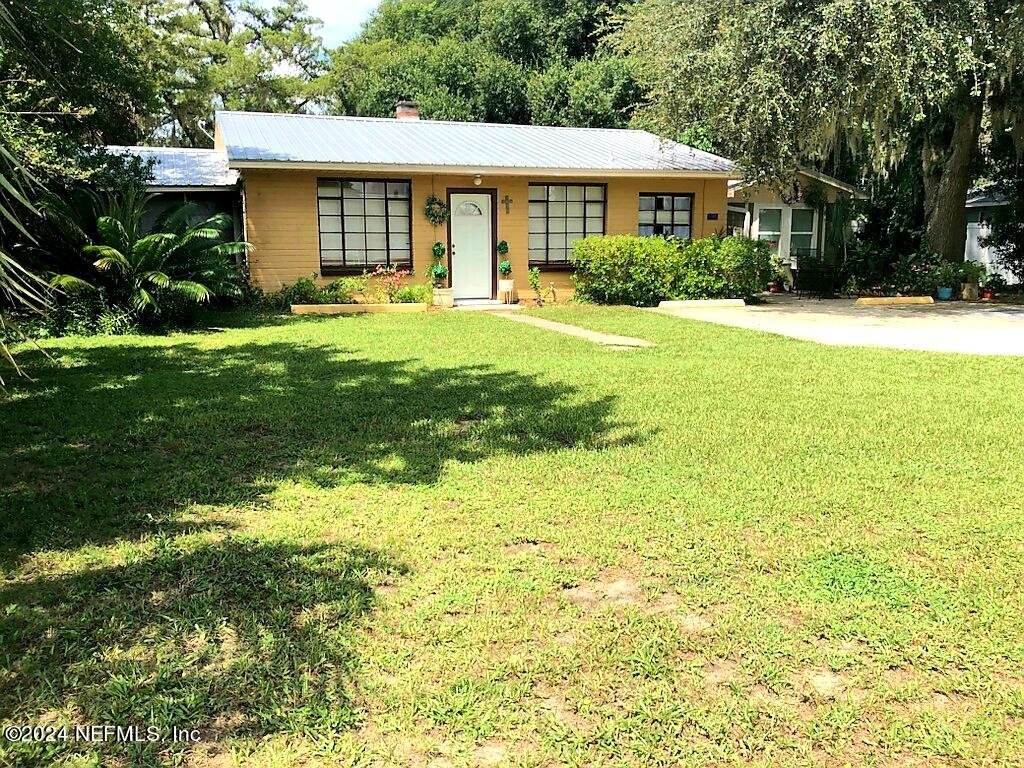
pixel 455 198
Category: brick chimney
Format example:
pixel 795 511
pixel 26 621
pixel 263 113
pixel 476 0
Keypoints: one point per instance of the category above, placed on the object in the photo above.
pixel 407 110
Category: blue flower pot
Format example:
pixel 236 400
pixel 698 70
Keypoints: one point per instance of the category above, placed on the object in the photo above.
pixel 944 294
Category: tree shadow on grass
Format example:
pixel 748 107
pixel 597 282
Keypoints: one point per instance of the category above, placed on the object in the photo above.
pixel 239 638
pixel 119 441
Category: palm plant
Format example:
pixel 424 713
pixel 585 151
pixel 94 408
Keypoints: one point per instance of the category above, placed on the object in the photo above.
pixel 193 262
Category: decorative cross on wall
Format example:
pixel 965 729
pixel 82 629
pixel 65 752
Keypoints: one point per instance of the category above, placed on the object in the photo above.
pixel 508 203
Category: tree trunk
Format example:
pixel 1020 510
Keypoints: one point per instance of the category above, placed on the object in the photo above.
pixel 948 161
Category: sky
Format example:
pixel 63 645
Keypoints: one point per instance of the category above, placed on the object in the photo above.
pixel 342 18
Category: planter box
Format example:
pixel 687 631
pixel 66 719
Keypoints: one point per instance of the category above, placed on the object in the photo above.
pixel 444 297
pixel 881 301
pixel 507 290
pixel 354 309
pixel 968 292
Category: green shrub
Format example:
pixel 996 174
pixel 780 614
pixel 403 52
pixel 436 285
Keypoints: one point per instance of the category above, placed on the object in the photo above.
pixel 343 291
pixel 302 291
pixel 643 271
pixel 417 293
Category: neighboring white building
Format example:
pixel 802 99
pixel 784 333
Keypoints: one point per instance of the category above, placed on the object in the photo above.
pixel 981 206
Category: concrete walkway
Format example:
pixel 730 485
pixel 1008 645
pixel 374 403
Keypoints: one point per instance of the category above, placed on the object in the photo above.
pixel 979 329
pixel 605 339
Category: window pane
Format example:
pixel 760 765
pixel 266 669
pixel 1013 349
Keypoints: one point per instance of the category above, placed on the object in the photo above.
pixel 538 225
pixel 556 225
pixel 376 240
pixel 681 232
pixel 331 258
pixel 574 210
pixel 596 209
pixel 398 207
pixel 398 189
pixel 398 224
pixel 646 231
pixel 536 241
pixel 663 217
pixel 682 217
pixel 401 257
pixel 646 203
pixel 803 220
pixel 574 228
pixel 376 257
pixel 595 193
pixel 354 224
pixel 330 241
pixel 375 208
pixel 375 223
pixel 570 239
pixel 646 217
pixel 537 210
pixel 374 188
pixel 681 203
pixel 353 188
pixel 556 241
pixel 400 240
pixel 330 224
pixel 330 207
pixel 664 203
pixel 556 210
pixel 354 207
pixel 328 189
pixel 595 226
pixel 800 243
pixel 538 192
pixel 574 193
pixel 556 193
pixel 357 241
pixel 538 254
pixel 770 220
pixel 355 257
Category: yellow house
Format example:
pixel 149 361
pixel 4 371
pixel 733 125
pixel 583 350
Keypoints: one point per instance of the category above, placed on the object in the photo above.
pixel 336 196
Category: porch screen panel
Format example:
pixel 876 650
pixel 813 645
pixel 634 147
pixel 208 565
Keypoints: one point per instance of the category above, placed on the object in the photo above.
pixel 561 214
pixel 364 223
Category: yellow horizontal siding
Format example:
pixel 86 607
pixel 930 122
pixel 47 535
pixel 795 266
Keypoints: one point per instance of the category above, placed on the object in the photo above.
pixel 282 222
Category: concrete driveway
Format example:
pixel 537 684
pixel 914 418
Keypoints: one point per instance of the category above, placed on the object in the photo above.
pixel 977 329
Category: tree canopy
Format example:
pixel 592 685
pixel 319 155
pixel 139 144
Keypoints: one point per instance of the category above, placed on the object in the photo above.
pixel 509 61
pixel 779 82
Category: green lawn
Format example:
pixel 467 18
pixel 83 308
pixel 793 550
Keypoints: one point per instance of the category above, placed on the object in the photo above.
pixel 448 539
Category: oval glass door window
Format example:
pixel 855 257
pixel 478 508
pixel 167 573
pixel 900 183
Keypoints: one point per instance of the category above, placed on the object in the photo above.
pixel 468 209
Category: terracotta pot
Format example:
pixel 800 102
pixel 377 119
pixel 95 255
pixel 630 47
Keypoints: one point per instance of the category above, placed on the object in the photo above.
pixel 774 288
pixel 987 294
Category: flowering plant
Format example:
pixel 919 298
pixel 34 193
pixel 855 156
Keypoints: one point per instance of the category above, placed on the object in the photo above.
pixel 388 281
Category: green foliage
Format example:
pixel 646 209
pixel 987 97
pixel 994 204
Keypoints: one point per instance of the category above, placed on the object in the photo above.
pixel 303 291
pixel 438 273
pixel 506 61
pixel 415 293
pixel 972 272
pixel 438 250
pixel 1007 236
pixel 505 268
pixel 343 291
pixel 436 211
pixel 502 247
pixel 643 271
pixel 182 263
pixel 230 55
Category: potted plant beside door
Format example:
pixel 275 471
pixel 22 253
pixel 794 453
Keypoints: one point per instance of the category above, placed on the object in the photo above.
pixel 443 297
pixel 506 285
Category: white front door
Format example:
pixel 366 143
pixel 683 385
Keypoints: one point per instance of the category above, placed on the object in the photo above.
pixel 790 230
pixel 471 246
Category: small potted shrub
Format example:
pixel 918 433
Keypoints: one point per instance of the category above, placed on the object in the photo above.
pixel 993 284
pixel 443 297
pixel 946 276
pixel 971 276
pixel 506 285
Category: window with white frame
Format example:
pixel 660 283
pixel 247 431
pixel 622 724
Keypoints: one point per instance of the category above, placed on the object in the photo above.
pixel 791 231
pixel 561 214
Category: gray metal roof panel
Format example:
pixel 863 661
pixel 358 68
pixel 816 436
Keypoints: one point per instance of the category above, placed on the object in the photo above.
pixel 264 137
pixel 180 167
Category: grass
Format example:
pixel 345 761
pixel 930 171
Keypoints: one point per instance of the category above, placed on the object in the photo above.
pixel 448 539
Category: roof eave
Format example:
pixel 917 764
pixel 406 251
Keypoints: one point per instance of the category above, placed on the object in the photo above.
pixel 474 170
pixel 192 188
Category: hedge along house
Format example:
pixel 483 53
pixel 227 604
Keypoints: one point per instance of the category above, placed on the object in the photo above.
pixel 807 222
pixel 340 195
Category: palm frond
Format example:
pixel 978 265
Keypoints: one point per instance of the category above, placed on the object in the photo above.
pixel 176 219
pixel 70 284
pixel 107 258
pixel 142 300
pixel 157 278
pixel 114 234
pixel 22 287
pixel 151 250
pixel 198 292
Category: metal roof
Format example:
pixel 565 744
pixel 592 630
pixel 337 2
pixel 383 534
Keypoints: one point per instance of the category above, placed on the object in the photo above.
pixel 985 196
pixel 254 139
pixel 176 168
